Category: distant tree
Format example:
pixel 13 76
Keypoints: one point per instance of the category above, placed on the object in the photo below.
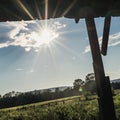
pixel 9 94
pixel 90 77
pixel 57 93
pixel 77 84
pixel 90 84
pixel 46 95
pixel 67 92
pixel 90 87
pixel 115 85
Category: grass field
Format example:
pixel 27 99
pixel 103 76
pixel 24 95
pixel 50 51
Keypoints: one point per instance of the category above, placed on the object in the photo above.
pixel 71 108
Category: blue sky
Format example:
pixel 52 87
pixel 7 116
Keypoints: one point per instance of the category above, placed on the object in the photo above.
pixel 27 63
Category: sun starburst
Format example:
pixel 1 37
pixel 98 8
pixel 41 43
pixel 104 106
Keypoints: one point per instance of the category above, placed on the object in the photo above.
pixel 44 36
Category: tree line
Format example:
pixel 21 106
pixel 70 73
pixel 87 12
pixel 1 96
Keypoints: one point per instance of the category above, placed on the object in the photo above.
pixel 80 87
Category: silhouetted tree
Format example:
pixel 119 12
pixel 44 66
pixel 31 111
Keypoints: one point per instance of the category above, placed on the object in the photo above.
pixel 115 85
pixel 77 84
pixel 90 77
pixel 90 84
pixel 90 87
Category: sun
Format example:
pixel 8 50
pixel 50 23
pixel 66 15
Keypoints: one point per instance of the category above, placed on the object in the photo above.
pixel 44 36
pixel 47 35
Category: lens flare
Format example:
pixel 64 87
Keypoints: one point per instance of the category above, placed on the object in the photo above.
pixel 44 36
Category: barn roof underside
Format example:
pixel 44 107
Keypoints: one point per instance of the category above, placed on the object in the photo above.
pixel 16 10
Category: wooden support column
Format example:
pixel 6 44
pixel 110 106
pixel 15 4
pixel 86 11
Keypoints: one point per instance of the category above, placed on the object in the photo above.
pixel 106 31
pixel 106 106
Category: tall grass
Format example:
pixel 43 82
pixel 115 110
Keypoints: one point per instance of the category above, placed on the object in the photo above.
pixel 72 110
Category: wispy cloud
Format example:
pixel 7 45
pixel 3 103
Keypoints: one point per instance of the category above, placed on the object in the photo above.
pixel 114 40
pixel 87 49
pixel 19 69
pixel 23 34
pixel 59 25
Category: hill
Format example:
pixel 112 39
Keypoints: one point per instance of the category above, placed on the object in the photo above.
pixel 115 81
pixel 22 98
pixel 35 92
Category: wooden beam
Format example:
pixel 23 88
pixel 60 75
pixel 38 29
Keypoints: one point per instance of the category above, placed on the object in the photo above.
pixel 16 10
pixel 106 31
pixel 107 111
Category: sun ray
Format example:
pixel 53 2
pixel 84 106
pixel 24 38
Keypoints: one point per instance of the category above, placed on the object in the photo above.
pixel 44 36
pixel 56 9
pixel 38 10
pixel 69 31
pixel 52 54
pixel 69 7
pixel 67 48
pixel 25 9
pixel 46 9
pixel 35 61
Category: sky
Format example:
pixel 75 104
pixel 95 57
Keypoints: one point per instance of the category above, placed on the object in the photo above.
pixel 41 54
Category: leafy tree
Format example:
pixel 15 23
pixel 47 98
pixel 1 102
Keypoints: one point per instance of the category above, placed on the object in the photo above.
pixel 77 84
pixel 90 87
pixel 115 85
pixel 67 92
pixel 90 84
pixel 90 77
pixel 9 94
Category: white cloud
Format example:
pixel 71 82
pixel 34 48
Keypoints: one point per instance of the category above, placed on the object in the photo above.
pixel 19 69
pixel 114 40
pixel 59 25
pixel 25 34
pixel 6 44
pixel 87 49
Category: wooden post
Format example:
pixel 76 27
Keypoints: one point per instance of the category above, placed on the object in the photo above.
pixel 106 31
pixel 107 111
